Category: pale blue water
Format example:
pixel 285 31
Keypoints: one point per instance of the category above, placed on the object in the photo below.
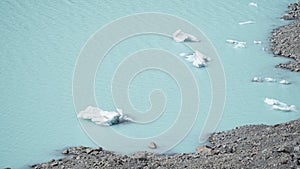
pixel 40 42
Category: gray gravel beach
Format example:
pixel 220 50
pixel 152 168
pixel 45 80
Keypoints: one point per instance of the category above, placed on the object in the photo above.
pixel 252 146
pixel 285 40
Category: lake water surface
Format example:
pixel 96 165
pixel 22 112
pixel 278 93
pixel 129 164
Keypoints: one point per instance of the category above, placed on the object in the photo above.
pixel 40 42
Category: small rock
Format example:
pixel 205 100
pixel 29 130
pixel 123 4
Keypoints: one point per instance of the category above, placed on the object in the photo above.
pixel 99 149
pixel 66 151
pixel 45 165
pixel 203 149
pixel 152 145
pixel 283 161
pixel 297 148
pixel 285 149
pixel 89 150
pixel 54 164
pixel 64 159
pixel 140 155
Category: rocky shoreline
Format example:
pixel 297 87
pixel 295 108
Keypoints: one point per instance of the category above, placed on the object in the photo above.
pixel 285 40
pixel 251 146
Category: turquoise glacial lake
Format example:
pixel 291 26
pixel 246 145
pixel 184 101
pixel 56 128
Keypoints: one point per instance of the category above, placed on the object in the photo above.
pixel 41 41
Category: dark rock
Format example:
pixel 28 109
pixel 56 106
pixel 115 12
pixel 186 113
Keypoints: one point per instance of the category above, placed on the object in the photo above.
pixel 65 151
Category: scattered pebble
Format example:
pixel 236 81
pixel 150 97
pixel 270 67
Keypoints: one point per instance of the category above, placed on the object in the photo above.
pixel 152 145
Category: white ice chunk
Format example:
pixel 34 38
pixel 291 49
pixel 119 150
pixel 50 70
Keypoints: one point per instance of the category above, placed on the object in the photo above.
pixel 257 42
pixel 180 36
pixel 198 59
pixel 102 117
pixel 257 79
pixel 246 22
pixel 274 102
pixel 237 44
pixel 285 82
pixel 284 108
pixel 269 79
pixel 232 41
pixel 183 54
pixel 278 105
pixel 253 4
pixel 240 45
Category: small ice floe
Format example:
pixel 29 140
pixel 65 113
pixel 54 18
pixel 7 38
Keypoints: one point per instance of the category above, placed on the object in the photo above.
pixel 257 42
pixel 257 79
pixel 237 44
pixel 198 59
pixel 246 22
pixel 268 79
pixel 278 105
pixel 183 54
pixel 285 82
pixel 253 4
pixel 272 102
pixel 284 108
pixel 180 36
pixel 102 117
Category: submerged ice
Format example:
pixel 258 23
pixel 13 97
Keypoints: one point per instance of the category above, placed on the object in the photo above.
pixel 102 117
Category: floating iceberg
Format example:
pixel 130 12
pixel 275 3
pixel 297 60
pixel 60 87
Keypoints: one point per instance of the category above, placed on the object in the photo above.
pixel 257 79
pixel 237 44
pixel 183 54
pixel 285 82
pixel 284 108
pixel 278 105
pixel 102 117
pixel 246 22
pixel 268 79
pixel 198 59
pixel 180 36
pixel 257 42
pixel 274 102
pixel 253 4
